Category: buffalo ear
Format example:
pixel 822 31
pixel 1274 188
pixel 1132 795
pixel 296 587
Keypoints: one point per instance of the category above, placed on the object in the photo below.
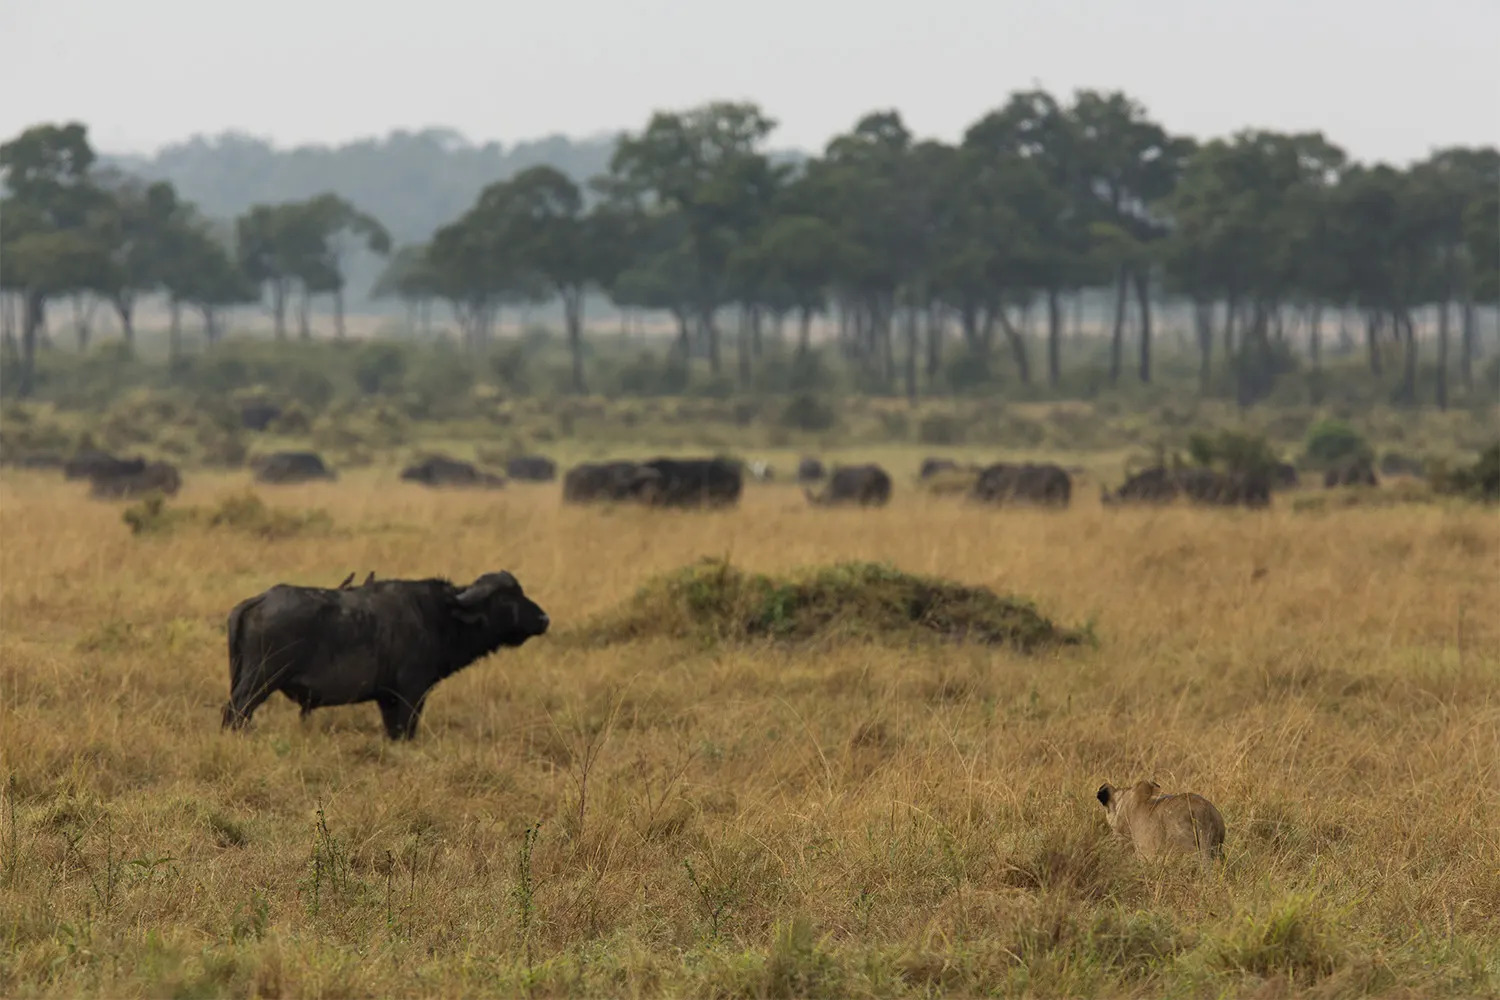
pixel 1103 794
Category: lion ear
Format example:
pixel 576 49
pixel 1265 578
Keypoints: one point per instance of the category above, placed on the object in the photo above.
pixel 1104 794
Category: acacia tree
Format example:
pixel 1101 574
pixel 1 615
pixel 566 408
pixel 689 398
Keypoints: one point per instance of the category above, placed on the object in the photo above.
pixel 341 229
pixel 538 217
pixel 705 164
pixel 135 226
pixel 48 246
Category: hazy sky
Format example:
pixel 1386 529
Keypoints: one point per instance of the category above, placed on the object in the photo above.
pixel 1388 79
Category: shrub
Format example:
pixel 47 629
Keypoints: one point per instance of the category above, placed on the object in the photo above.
pixel 1331 442
pixel 808 413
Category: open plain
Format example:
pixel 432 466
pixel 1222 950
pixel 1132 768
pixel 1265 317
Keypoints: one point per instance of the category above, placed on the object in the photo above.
pixel 668 817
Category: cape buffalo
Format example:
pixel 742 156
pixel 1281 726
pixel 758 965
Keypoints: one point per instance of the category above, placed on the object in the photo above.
pixel 291 467
pixel 1028 483
pixel 810 470
pixel 933 466
pixel 866 485
pixel 1200 485
pixel 440 470
pixel 89 462
pixel 532 469
pixel 257 415
pixel 154 476
pixel 693 482
pixel 388 641
pixel 606 481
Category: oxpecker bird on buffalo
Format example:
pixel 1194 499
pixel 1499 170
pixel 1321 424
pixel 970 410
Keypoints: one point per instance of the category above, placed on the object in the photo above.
pixel 388 641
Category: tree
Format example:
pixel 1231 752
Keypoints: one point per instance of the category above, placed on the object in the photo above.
pixel 341 230
pixel 47 247
pixel 1130 164
pixel 704 163
pixel 134 227
pixel 538 217
pixel 410 277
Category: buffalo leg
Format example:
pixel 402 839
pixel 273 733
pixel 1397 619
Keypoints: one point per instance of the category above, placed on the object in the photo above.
pixel 400 715
pixel 243 701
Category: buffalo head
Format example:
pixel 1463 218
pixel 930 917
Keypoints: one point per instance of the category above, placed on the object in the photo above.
pixel 496 602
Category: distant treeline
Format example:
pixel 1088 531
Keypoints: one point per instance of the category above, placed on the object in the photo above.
pixel 913 252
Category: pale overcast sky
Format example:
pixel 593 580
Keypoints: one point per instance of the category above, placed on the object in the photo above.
pixel 1388 79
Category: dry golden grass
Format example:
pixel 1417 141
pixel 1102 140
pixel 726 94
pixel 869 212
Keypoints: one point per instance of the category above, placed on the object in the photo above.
pixel 854 821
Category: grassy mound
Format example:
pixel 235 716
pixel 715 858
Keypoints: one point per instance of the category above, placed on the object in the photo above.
pixel 243 512
pixel 713 601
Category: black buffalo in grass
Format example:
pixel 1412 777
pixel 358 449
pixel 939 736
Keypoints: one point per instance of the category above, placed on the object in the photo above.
pixel 388 641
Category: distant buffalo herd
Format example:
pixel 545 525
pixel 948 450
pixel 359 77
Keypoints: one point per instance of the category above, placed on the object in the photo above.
pixel 718 481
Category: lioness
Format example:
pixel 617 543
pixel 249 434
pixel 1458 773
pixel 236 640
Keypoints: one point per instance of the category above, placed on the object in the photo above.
pixel 1153 822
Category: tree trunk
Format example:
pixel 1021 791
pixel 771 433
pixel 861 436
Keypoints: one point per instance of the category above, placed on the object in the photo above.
pixel 125 306
pixel 1054 338
pixel 1315 336
pixel 174 329
pixel 304 315
pixel 278 306
pixel 1402 324
pixel 711 331
pixel 338 313
pixel 573 317
pixel 1203 325
pixel 913 351
pixel 757 340
pixel 1143 299
pixel 82 328
pixel 1466 341
pixel 1017 346
pixel 1231 317
pixel 743 347
pixel 1117 339
pixel 1372 342
pixel 935 336
pixel 1442 358
pixel 804 333
pixel 33 316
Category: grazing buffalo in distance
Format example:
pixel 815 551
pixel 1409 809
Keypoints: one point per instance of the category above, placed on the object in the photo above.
pixel 89 462
pixel 660 482
pixel 389 642
pixel 865 485
pixel 810 470
pixel 1003 483
pixel 1200 485
pixel 161 477
pixel 440 470
pixel 1355 472
pixel 932 466
pixel 286 467
pixel 258 415
pixel 693 482
pixel 594 482
pixel 531 469
pixel 1284 476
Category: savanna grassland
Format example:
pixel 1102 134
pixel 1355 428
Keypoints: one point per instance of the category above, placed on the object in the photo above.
pixel 667 817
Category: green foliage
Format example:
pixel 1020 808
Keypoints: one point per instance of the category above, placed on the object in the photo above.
pixel 1480 481
pixel 1233 452
pixel 1331 442
pixel 713 601
pixel 807 412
